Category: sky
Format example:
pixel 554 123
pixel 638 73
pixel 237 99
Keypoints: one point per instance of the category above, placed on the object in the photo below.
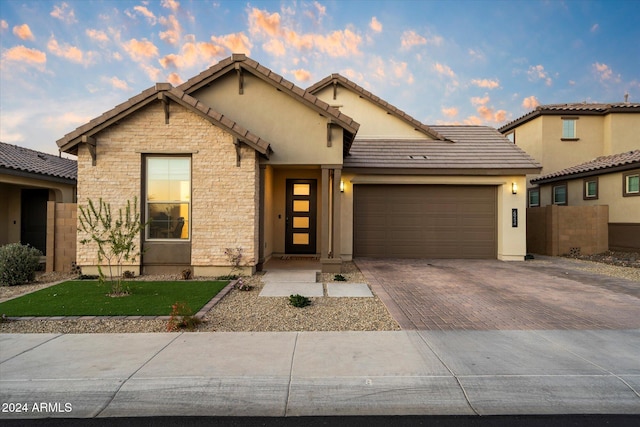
pixel 474 62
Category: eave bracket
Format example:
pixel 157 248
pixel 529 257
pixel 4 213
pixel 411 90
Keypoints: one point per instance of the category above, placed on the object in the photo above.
pixel 91 145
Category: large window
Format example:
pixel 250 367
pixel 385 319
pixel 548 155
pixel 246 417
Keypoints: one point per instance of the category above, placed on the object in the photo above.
pixel 569 128
pixel 631 184
pixel 168 197
pixel 559 194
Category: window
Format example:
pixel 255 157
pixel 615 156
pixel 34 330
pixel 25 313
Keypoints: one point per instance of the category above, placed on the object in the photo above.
pixel 168 197
pixel 534 197
pixel 559 194
pixel 631 184
pixel 590 186
pixel 569 128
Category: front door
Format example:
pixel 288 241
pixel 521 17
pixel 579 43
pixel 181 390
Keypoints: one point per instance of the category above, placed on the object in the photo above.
pixel 300 232
pixel 33 221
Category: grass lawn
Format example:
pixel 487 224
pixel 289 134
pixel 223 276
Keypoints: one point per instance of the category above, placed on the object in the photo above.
pixel 89 298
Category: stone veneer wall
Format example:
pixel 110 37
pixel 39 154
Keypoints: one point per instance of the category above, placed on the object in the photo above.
pixel 565 230
pixel 224 196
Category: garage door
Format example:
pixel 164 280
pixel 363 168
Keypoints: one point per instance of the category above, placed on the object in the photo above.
pixel 425 221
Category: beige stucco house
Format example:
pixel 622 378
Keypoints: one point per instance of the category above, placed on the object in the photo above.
pixel 588 154
pixel 238 157
pixel 32 183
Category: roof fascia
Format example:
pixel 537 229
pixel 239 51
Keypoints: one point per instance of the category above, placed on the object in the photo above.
pixel 443 171
pixel 38 176
pixel 585 174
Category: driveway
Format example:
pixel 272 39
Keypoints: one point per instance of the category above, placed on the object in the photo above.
pixel 547 293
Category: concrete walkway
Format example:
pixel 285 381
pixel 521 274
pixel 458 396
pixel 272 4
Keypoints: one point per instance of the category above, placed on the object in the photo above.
pixel 321 373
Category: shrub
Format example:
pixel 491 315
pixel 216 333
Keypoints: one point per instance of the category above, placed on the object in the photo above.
pixel 298 300
pixel 241 286
pixel 339 278
pixel 18 264
pixel 181 318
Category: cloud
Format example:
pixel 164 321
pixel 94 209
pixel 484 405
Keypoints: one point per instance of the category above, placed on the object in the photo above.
pixel 152 72
pixel 537 72
pixel 116 83
pixel 604 72
pixel 594 28
pixel 97 35
pixel 275 47
pixel 317 14
pixel 172 35
pixel 140 50
pixel 25 55
pixel 191 54
pixel 64 12
pixel 400 71
pixel 410 39
pixel 23 32
pixel 444 70
pixel 487 113
pixel 67 51
pixel 375 25
pixel 4 25
pixel 171 4
pixel 142 10
pixel 236 43
pixel 267 25
pixel 530 102
pixel 450 112
pixel 301 75
pixel 476 55
pixel 486 83
pixel 174 79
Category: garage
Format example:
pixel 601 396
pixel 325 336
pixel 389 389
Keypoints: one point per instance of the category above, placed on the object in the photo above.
pixel 425 221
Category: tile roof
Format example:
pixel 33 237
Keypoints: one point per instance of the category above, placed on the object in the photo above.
pixel 597 166
pixel 241 61
pixel 578 108
pixel 475 148
pixel 337 78
pixel 20 159
pixel 69 142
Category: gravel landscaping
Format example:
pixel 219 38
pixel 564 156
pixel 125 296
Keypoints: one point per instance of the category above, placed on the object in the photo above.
pixel 245 311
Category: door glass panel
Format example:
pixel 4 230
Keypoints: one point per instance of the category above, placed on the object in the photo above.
pixel 301 189
pixel 300 238
pixel 300 222
pixel 301 206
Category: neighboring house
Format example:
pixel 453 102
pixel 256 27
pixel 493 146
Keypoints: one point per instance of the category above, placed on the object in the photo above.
pixel 584 140
pixel 28 180
pixel 239 157
pixel 608 180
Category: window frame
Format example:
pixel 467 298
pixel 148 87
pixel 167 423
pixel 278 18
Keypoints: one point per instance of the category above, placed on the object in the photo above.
pixel 573 120
pixel 147 202
pixel 625 183
pixel 566 194
pixel 585 188
pixel 529 192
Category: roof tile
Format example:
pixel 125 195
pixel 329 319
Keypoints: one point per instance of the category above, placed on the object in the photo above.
pixel 598 164
pixel 26 160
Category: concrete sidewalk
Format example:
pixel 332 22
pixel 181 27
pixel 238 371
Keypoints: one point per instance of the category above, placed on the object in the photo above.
pixel 320 373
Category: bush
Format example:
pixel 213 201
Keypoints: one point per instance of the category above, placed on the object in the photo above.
pixel 298 300
pixel 18 264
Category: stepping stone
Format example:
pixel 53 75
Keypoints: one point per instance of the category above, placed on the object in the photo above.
pixel 298 276
pixel 285 289
pixel 348 290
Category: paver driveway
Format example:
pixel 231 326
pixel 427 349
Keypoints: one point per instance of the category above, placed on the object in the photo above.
pixel 551 293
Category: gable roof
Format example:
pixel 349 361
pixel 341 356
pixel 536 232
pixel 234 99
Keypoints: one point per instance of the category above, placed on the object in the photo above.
pixel 161 91
pixel 241 62
pixel 22 161
pixel 598 166
pixel 335 79
pixel 581 108
pixel 478 150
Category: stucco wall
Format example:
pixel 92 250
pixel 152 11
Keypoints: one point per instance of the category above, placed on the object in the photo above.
pixel 224 197
pixel 511 240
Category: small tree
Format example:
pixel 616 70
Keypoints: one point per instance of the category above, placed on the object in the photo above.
pixel 115 238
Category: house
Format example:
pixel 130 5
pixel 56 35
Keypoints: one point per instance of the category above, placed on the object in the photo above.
pixel 29 180
pixel 239 157
pixel 588 154
pixel 613 181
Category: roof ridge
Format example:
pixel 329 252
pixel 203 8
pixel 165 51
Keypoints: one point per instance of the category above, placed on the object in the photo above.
pixel 337 77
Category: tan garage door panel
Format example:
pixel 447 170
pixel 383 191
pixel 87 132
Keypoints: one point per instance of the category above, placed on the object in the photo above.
pixel 425 221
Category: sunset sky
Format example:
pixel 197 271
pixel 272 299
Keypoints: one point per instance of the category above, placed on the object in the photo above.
pixel 443 62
